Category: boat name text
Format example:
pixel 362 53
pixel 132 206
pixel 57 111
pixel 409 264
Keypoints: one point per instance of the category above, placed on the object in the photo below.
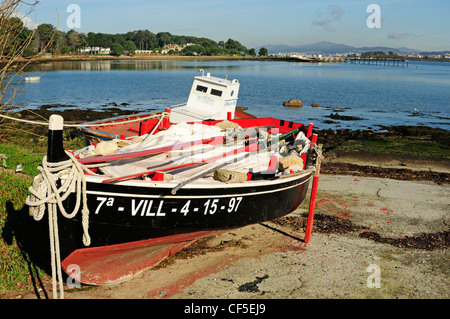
pixel 157 208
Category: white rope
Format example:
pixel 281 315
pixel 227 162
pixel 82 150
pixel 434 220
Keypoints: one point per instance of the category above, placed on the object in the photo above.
pixel 44 192
pixel 149 136
pixel 86 124
pixel 318 151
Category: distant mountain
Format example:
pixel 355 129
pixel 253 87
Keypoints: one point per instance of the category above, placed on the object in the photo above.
pixel 326 47
pixel 403 49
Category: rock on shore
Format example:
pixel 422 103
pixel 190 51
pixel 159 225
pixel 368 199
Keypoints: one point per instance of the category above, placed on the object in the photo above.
pixel 293 103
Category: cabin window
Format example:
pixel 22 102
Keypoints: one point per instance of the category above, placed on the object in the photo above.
pixel 216 92
pixel 202 88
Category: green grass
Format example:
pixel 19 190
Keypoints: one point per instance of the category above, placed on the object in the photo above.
pixel 18 273
pixel 16 155
pixel 28 150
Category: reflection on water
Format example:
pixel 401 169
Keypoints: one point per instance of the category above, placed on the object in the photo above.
pixel 381 95
pixel 106 66
pixel 117 65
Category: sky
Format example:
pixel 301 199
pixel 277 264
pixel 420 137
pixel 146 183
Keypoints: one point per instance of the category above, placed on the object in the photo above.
pixel 416 24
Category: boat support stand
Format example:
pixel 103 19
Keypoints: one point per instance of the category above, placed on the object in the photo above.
pixel 315 185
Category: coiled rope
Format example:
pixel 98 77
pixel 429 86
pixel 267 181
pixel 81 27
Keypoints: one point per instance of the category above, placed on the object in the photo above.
pixel 45 193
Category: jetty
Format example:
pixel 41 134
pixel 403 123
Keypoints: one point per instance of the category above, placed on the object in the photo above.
pixel 397 61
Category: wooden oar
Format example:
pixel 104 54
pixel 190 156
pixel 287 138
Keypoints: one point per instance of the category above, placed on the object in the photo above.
pixel 286 135
pixel 192 179
pixel 249 148
pixel 115 157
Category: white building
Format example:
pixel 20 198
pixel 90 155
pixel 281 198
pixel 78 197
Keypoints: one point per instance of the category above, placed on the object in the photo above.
pixel 143 51
pixel 95 50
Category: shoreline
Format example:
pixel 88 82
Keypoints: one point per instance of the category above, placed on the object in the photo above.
pixel 166 57
pixel 161 57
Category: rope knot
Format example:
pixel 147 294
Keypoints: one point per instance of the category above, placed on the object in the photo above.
pixel 50 189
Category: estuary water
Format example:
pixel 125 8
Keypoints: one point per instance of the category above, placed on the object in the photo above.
pixel 376 95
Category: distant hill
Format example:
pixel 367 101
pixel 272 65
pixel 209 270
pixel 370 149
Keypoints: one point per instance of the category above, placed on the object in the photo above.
pixel 326 47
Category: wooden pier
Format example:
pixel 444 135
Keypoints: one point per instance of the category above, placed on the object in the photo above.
pixel 379 61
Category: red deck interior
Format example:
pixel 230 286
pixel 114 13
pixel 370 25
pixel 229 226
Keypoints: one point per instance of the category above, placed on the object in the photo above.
pixel 126 130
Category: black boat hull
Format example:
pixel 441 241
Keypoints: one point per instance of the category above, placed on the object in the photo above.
pixel 133 228
pixel 121 213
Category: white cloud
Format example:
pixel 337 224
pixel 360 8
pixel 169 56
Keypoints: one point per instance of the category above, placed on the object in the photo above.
pixel 27 21
pixel 324 23
pixel 398 35
pixel 335 14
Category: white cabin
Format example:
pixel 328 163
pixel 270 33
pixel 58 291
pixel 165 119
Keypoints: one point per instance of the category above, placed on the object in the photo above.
pixel 211 98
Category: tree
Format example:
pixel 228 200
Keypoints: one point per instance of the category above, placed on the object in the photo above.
pixel 73 39
pixel 193 50
pixel 263 51
pixel 163 38
pixel 373 54
pixel 82 37
pixel 233 47
pixel 129 46
pixel 214 51
pixel 104 40
pixel 143 39
pixel 92 39
pixel 252 52
pixel 14 27
pixel 117 49
pixel 15 43
pixel 59 41
pixel 45 33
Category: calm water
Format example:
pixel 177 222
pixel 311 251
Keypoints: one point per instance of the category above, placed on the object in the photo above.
pixel 381 95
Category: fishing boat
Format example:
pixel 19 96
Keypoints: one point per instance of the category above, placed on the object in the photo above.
pixel 129 203
pixel 210 98
pixel 32 78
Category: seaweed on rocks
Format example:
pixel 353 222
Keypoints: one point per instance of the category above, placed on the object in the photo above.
pixel 335 225
pixel 337 116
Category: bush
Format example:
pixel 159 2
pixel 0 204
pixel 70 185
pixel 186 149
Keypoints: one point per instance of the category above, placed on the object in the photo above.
pixel 117 49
